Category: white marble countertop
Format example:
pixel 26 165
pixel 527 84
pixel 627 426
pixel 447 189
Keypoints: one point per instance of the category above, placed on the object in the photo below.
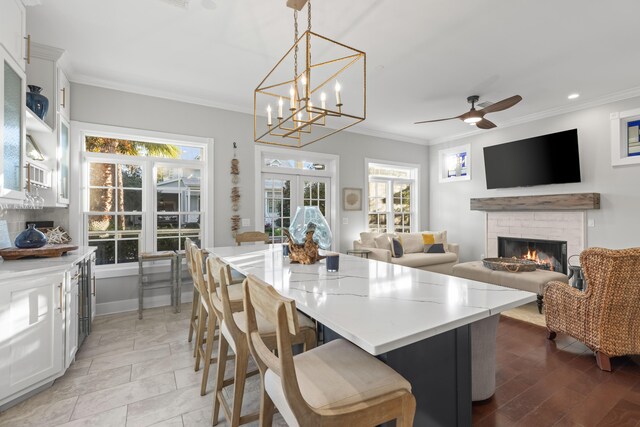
pixel 376 305
pixel 39 266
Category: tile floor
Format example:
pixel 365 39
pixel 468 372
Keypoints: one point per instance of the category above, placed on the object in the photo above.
pixel 131 372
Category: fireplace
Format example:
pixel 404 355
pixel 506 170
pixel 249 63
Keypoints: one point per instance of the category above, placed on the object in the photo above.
pixel 548 254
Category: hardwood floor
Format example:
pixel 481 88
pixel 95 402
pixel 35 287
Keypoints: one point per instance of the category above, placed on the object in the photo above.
pixel 557 383
pixel 140 372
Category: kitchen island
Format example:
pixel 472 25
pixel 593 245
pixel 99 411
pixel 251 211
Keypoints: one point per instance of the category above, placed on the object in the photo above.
pixel 418 322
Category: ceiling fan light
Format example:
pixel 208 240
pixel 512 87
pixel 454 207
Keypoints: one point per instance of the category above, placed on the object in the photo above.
pixel 472 120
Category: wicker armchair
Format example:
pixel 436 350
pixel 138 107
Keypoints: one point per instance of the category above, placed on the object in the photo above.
pixel 606 317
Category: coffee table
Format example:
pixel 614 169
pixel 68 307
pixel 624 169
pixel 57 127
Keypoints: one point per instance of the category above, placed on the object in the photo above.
pixel 362 253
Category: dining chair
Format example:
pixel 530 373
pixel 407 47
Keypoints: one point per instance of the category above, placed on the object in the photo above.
pixel 251 236
pixel 336 384
pixel 233 334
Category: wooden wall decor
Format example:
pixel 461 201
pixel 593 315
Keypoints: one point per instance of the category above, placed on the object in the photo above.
pixel 235 191
pixel 550 202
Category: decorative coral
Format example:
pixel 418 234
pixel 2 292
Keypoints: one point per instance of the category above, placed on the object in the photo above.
pixel 306 253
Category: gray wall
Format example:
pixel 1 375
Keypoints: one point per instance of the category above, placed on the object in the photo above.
pixel 616 221
pixel 110 107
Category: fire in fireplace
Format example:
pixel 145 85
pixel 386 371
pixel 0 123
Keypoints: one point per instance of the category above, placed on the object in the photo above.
pixel 548 254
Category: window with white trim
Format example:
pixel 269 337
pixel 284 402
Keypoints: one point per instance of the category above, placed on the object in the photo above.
pixel 141 196
pixel 392 198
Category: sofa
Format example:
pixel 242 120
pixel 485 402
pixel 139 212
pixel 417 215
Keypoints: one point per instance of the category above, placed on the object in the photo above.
pixel 413 250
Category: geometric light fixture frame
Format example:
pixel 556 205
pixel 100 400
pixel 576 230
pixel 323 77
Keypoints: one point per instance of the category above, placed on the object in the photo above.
pixel 301 122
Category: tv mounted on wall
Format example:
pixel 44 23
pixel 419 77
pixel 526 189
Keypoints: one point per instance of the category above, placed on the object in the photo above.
pixel 541 160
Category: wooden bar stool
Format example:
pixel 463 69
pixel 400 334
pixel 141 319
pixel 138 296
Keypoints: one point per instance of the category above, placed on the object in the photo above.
pixel 195 304
pixel 171 282
pixel 207 319
pixel 336 384
pixel 233 334
pixel 211 315
pixel 247 237
pixel 252 237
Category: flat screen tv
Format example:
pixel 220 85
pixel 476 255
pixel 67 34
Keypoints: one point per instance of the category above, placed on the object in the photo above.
pixel 546 159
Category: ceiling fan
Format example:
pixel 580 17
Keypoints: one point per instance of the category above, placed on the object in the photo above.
pixel 476 117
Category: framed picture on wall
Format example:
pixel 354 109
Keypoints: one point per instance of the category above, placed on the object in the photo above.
pixel 352 199
pixel 455 164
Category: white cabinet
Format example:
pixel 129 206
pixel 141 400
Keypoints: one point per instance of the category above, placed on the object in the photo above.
pixel 63 162
pixel 64 95
pixel 13 25
pixel 71 317
pixel 32 334
pixel 12 127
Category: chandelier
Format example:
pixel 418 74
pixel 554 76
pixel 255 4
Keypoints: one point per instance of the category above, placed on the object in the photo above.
pixel 310 94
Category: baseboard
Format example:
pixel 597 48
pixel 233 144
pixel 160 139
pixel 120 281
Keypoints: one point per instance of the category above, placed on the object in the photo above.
pixel 121 306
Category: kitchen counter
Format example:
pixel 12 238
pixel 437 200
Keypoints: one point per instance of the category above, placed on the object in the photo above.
pixel 21 267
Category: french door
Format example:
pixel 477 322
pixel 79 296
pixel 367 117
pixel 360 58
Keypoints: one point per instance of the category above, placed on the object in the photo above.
pixel 283 193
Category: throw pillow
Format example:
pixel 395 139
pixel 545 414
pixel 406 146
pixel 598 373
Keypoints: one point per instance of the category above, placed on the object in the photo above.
pixel 411 242
pixel 440 236
pixel 368 239
pixel 382 242
pixel 432 243
pixel 436 248
pixel 396 247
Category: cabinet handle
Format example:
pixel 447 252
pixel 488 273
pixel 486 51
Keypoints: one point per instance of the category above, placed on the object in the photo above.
pixel 64 97
pixel 28 58
pixel 94 286
pixel 60 306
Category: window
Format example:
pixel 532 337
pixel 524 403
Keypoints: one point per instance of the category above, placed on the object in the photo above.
pixel 178 207
pixel 290 179
pixel 114 219
pixel 141 196
pixel 392 198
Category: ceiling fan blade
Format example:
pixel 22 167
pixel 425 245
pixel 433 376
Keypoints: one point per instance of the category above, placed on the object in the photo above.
pixel 439 120
pixel 503 105
pixel 485 124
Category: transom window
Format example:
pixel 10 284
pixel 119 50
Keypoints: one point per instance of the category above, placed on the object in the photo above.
pixel 392 198
pixel 141 196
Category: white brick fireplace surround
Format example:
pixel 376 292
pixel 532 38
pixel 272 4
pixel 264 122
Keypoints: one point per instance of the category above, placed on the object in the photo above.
pixel 567 226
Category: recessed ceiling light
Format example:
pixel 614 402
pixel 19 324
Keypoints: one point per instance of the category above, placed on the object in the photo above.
pixel 574 96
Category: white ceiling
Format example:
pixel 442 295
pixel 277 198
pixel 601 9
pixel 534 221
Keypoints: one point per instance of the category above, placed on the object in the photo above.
pixel 424 57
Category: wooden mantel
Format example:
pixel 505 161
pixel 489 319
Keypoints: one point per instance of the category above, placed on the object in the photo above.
pixel 550 202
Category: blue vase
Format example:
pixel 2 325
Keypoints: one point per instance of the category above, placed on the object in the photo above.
pixel 31 238
pixel 37 102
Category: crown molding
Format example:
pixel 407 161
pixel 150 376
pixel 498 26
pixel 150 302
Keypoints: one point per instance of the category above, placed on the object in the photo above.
pixel 138 90
pixel 387 135
pixel 603 100
pixel 123 87
pixel 43 51
pixel 109 84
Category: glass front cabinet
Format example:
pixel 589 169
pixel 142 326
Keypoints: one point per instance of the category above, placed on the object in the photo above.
pixel 12 127
pixel 63 161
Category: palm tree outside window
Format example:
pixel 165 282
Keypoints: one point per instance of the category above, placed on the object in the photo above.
pixel 120 209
